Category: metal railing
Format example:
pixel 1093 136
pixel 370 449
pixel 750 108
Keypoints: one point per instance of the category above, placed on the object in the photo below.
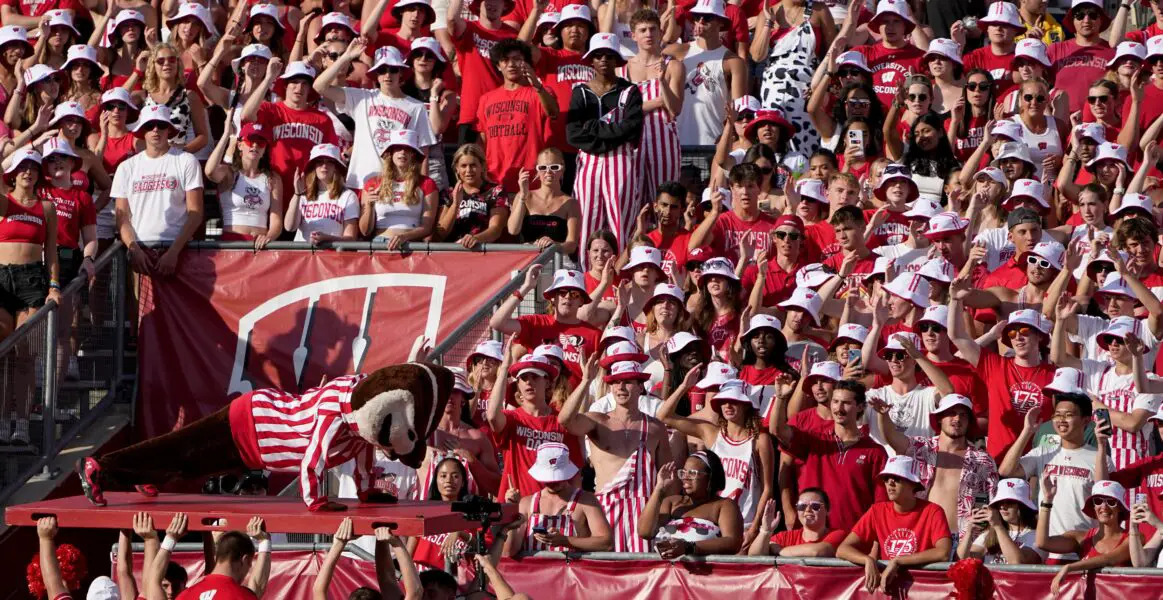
pixel 66 360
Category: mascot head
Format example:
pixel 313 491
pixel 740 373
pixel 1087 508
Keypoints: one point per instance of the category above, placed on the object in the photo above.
pixel 398 407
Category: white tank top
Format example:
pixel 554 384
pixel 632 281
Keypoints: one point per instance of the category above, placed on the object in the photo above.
pixel 741 466
pixel 701 121
pixel 1041 145
pixel 249 203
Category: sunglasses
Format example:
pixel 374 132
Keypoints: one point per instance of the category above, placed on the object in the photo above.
pixel 702 19
pixel 791 236
pixel 694 266
pixel 766 170
pixel 549 168
pixel 745 117
pixel 974 86
pixel 111 106
pixel 1104 267
pixel 1041 262
pixel 1040 98
pixel 166 60
pixel 571 294
pixel 689 473
pixel 918 97
pixel 1104 501
pixel 1097 99
pixel 896 355
pixel 155 127
pixel 849 73
pixel 394 70
pixel 862 102
pixel 812 506
pixel 930 328
pixel 897 170
pixel 256 142
pixel 1083 15
pixel 1024 331
pixel 1108 340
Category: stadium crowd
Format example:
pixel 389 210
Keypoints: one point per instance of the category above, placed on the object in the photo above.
pixel 910 312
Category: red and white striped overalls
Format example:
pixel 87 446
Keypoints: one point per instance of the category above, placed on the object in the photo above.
pixel 562 522
pixel 623 497
pixel 658 152
pixel 607 186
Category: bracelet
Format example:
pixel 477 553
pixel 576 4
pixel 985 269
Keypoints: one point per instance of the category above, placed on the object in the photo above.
pixel 264 546
pixel 54 284
pixel 518 295
pixel 169 543
pixel 83 259
pixel 138 72
pixel 1119 191
pixel 1047 505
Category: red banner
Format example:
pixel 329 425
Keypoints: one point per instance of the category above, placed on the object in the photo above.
pixel 293 574
pixel 230 321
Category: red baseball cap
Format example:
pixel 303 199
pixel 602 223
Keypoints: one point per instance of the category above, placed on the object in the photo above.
pixel 789 221
pixel 254 132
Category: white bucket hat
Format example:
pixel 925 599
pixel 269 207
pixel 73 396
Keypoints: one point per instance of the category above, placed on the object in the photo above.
pixel 488 349
pixel 1010 130
pixel 1067 380
pixel 899 8
pixel 760 322
pixel 662 291
pixel 460 382
pixel 430 44
pixel 626 370
pixel 733 390
pixel 992 173
pixel 911 287
pixel 102 588
pixel 748 103
pixel 937 313
pixel 1135 201
pixel 854 59
pixel 532 363
pixel 38 73
pixel 1013 489
pixel 901 466
pixel 849 332
pixel 57 145
pixel 879 267
pixel 1115 284
pixel 574 12
pixel 298 69
pixel 715 8
pixel 78 52
pixel 813 276
pixel 828 369
pixel 1109 151
pixel 1030 317
pixel 643 255
pixel 1106 488
pixel 807 300
pixel 716 374
pixel 601 42
pixel 945 47
pixel 1050 252
pixel 1003 14
pixel 552 464
pixel 338 19
pixel 65 110
pixel 549 351
pixel 1119 327
pixel 813 189
pixel 1131 50
pixel 1154 47
pixel 945 224
pixel 949 402
pixel 616 333
pixel 196 11
pixel 565 279
pixel 330 151
pixel 923 208
pixel 937 269
pixel 61 18
pixel 263 10
pixel 548 18
pixel 681 340
pixel 705 202
pixel 125 16
pixel 251 51
pixel 16 34
pixel 388 56
pixel 719 266
pixel 425 5
pixel 1091 131
pixel 118 94
pixel 622 352
pixel 158 113
pixel 894 343
pixel 403 138
pixel 23 154
pixel 1016 150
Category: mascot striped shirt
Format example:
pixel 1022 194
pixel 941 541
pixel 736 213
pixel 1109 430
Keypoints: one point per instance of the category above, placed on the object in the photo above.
pixel 305 434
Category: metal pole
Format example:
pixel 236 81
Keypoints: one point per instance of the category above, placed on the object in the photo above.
pixel 49 412
pixel 118 301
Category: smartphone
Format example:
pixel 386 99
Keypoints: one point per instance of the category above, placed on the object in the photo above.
pixel 855 356
pixel 541 530
pixel 1102 418
pixel 856 139
pixel 1140 498
pixel 980 500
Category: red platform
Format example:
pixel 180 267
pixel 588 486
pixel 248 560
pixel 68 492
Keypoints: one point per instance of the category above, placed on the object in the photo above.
pixel 282 515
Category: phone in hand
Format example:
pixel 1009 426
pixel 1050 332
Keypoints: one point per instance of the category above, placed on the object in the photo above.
pixel 856 140
pixel 980 500
pixel 855 358
pixel 541 530
pixel 1102 418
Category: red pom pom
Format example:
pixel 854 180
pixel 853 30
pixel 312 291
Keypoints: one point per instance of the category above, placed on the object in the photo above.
pixel 34 578
pixel 73 570
pixel 971 580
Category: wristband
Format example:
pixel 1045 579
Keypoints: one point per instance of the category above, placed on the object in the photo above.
pixel 54 284
pixel 518 295
pixel 169 543
pixel 1047 505
pixel 1120 191
pixel 264 546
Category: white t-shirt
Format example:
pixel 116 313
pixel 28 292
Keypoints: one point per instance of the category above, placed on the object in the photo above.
pixel 1089 327
pixel 390 476
pixel 375 116
pixel 910 412
pixel 998 247
pixel 1073 471
pixel 156 190
pixel 1025 538
pixel 326 214
pixel 905 258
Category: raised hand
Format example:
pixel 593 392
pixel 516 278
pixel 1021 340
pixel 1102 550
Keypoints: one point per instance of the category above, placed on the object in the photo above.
pixel 693 376
pixel 1067 307
pixel 531 276
pixel 143 526
pixel 345 532
pixel 179 525
pixel 666 475
pixel 256 528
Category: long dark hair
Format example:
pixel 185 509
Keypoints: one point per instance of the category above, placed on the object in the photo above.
pixel 840 109
pixel 873 139
pixel 932 163
pixel 678 373
pixel 962 126
pixel 434 491
pixel 704 313
pixel 1028 519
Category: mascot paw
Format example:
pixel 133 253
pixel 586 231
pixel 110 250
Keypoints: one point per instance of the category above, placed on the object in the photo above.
pixel 330 507
pixel 378 498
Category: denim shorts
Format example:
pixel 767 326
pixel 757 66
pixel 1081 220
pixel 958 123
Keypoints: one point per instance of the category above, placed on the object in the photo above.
pixel 23 287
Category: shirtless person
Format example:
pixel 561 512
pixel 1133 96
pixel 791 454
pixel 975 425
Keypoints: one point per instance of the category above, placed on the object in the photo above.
pixel 627 448
pixel 454 437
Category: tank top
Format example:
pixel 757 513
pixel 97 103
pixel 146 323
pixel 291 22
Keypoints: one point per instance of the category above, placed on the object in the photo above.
pixel 1042 144
pixel 563 522
pixel 535 227
pixel 742 469
pixel 22 224
pixel 249 203
pixel 701 121
pixel 689 529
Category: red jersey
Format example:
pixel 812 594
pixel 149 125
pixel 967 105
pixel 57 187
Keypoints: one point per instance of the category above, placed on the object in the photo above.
pixel 730 230
pixel 36 8
pixel 1013 391
pixel 810 421
pixel 479 76
pixel 216 587
pixel 515 127
pixel 795 537
pixel 974 135
pixel 778 285
pixel 723 332
pixel 562 69
pixel 997 65
pixel 846 474
pixel 902 533
pixel 518 442
pixel 889 67
pixel 674 251
pixel 75 210
pixel 573 338
pixel 1146 473
pixel 894 230
pixel 593 282
pixel 854 282
pixel 293 134
pixel 1076 67
pixel 117 149
pixel 821 241
pixel 1149 109
pixel 304 433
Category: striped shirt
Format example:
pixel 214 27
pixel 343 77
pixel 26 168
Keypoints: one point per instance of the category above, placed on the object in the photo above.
pixel 1118 392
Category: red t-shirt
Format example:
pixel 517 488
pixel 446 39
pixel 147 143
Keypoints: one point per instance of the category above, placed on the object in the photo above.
pixel 889 66
pixel 546 329
pixel 1013 391
pixel 847 475
pixel 998 67
pixel 674 251
pixel 521 10
pixel 795 537
pixel 293 134
pixel 593 282
pixel 778 285
pixel 894 230
pixel 1144 34
pixel 1149 109
pixel 36 8
pixel 217 587
pixel 117 150
pixel 821 238
pixel 723 332
pixel 477 72
pixel 515 128
pixel 902 534
pixel 74 211
pixel 518 443
pixel 855 280
pixel 561 70
pixel 1076 67
pixel 810 421
pixel 391 37
pixel 1148 473
pixel 975 133
pixel 730 230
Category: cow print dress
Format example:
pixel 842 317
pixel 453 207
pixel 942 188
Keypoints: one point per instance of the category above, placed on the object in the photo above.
pixel 787 79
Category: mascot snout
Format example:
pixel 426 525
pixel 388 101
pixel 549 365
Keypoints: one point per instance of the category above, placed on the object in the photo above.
pixel 398 407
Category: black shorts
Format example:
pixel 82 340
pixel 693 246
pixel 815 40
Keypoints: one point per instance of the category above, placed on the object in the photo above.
pixel 23 287
pixel 69 260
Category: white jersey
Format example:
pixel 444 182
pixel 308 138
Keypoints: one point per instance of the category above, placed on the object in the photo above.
pixel 905 258
pixel 249 202
pixel 1080 240
pixel 326 214
pixel 1118 392
pixel 910 413
pixel 375 116
pixel 741 465
pixel 1073 472
pixel 1089 328
pixel 998 247
pixel 1041 145
pixel 704 96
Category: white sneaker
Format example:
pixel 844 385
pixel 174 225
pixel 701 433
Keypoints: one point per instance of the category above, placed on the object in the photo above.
pixel 73 372
pixel 20 434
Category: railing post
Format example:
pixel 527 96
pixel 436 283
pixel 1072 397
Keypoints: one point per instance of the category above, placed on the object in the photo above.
pixel 49 410
pixel 118 300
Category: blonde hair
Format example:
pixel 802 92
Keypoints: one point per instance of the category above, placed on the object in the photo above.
pixel 410 175
pixel 176 39
pixel 152 79
pixel 334 189
pixel 471 151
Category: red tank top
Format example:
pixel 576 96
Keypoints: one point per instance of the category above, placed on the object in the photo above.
pixel 117 149
pixel 22 225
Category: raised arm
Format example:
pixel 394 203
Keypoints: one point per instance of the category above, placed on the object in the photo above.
pixel 502 320
pixel 872 362
pixel 572 417
pixel 648 520
pixel 958 333
pixel 342 536
pixel 703 430
pixel 495 410
pixel 896 440
pixel 1058 354
pixel 324 84
pixel 1058 544
pixel 260 570
pixel 1011 464
pixel 154 571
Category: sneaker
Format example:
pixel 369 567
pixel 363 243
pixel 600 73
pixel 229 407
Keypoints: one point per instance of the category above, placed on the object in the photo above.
pixel 73 372
pixel 148 490
pixel 20 434
pixel 90 473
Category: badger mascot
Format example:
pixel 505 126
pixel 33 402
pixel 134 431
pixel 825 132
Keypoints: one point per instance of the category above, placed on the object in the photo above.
pixel 393 409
